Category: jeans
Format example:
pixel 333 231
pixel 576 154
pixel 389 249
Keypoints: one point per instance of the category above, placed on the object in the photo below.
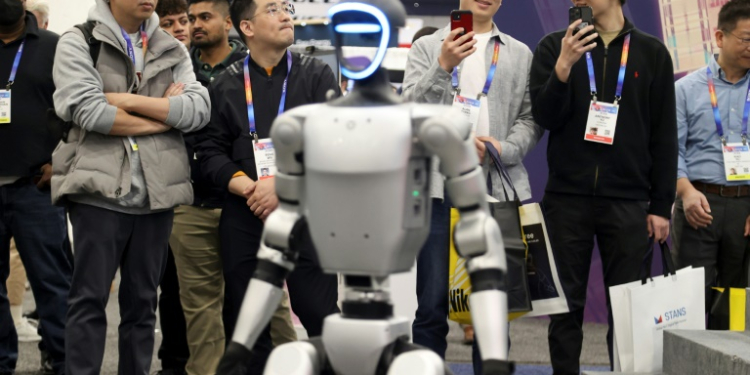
pixel 40 232
pixel 430 326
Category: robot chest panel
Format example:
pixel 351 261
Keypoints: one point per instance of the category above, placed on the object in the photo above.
pixel 358 140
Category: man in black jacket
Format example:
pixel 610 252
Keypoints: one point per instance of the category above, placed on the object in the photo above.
pixel 619 189
pixel 227 157
pixel 26 211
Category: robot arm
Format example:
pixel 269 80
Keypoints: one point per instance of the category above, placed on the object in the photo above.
pixel 477 235
pixel 276 256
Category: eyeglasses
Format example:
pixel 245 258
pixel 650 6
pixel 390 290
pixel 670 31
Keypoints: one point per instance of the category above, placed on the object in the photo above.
pixel 744 41
pixel 274 9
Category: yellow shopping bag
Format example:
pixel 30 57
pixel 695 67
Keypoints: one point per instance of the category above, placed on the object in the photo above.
pixel 727 309
pixel 459 284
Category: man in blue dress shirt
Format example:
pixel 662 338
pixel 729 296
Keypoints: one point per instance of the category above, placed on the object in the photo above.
pixel 713 178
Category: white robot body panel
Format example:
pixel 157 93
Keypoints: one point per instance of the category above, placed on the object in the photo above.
pixel 366 192
pixel 371 336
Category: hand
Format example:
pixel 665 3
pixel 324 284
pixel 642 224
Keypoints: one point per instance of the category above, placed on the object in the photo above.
pixel 46 176
pixel 241 186
pixel 573 47
pixel 696 208
pixel 264 199
pixel 747 226
pixel 481 148
pixel 174 89
pixel 454 51
pixel 235 360
pixel 658 227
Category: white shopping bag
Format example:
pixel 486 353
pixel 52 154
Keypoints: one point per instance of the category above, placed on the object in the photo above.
pixel 671 302
pixel 547 295
pixel 622 340
pixel 642 311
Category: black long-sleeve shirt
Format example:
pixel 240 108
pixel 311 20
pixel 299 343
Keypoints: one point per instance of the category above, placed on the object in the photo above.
pixel 29 139
pixel 642 162
pixel 228 148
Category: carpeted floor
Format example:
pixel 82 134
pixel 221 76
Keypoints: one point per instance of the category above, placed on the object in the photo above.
pixel 529 348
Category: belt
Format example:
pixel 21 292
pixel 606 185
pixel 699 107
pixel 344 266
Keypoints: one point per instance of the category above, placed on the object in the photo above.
pixel 722 190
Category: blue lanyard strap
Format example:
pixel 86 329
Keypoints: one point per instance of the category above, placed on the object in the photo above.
pixel 490 74
pixel 620 76
pixel 249 92
pixel 129 42
pixel 14 69
pixel 715 106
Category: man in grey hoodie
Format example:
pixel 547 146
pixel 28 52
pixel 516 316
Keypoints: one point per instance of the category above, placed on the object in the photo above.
pixel 130 92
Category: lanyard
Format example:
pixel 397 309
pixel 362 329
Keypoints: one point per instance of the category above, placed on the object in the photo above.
pixel 249 93
pixel 715 106
pixel 131 51
pixel 14 69
pixel 131 54
pixel 490 74
pixel 620 77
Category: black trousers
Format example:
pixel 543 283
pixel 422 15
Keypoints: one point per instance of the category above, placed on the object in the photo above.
pixel 720 248
pixel 621 233
pixel 174 351
pixel 105 240
pixel 313 294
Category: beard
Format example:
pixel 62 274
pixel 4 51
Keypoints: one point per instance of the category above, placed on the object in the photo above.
pixel 209 40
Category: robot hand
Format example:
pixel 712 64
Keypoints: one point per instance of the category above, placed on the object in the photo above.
pixel 235 360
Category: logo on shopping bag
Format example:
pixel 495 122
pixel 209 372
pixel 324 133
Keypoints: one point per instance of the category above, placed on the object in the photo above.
pixel 672 316
pixel 459 302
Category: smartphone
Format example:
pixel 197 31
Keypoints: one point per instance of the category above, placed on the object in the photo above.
pixel 462 18
pixel 585 14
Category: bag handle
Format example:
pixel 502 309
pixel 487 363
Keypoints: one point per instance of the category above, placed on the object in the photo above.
pixel 500 168
pixel 668 267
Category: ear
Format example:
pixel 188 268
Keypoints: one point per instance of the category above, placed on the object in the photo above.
pixel 228 24
pixel 247 28
pixel 719 35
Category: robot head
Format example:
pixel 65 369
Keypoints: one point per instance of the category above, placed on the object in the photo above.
pixel 364 23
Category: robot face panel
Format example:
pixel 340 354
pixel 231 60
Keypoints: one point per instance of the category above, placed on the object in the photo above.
pixel 355 25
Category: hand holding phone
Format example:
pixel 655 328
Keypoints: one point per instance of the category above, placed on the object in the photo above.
pixel 462 19
pixel 578 40
pixel 460 41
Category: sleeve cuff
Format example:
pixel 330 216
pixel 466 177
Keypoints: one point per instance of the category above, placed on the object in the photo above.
pixel 174 116
pixel 661 208
pixel 508 153
pixel 106 120
pixel 226 173
pixel 556 86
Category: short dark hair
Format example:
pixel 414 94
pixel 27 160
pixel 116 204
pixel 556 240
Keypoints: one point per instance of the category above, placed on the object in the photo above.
pixel 731 12
pixel 622 2
pixel 221 5
pixel 170 7
pixel 427 30
pixel 241 10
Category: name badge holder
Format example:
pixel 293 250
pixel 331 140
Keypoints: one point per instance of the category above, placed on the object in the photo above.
pixel 5 95
pixel 736 154
pixel 263 150
pixel 602 119
pixel 468 107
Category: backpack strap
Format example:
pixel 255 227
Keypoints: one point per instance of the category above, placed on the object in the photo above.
pixel 87 29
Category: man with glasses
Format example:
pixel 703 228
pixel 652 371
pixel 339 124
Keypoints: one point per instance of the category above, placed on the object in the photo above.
pixel 713 203
pixel 245 100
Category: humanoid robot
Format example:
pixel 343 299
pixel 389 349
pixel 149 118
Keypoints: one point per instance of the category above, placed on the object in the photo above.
pixel 355 172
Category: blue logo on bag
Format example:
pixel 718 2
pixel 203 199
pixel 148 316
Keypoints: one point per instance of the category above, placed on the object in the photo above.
pixel 671 315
